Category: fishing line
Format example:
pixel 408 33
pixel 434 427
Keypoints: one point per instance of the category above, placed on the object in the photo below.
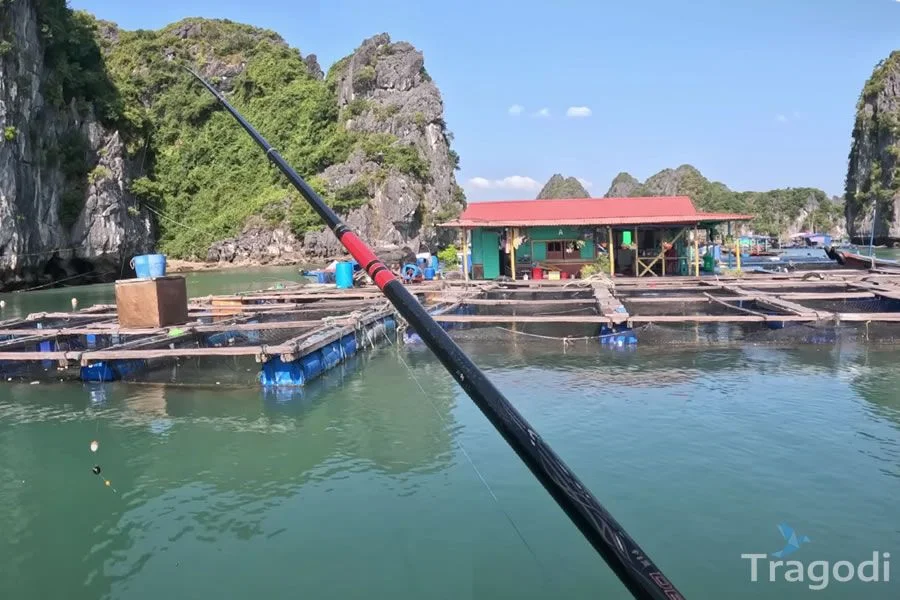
pixel 97 470
pixel 484 482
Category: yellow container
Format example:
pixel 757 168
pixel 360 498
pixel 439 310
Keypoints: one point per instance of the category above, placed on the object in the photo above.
pixel 554 275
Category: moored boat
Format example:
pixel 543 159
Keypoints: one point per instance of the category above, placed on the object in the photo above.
pixel 860 261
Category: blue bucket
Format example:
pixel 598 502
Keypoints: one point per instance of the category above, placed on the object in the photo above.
pixel 149 265
pixel 343 274
pixel 429 273
pixel 141 266
pixel 157 264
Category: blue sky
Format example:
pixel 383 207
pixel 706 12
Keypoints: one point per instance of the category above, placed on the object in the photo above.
pixel 756 94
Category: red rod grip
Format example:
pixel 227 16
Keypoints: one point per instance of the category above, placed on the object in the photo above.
pixel 367 259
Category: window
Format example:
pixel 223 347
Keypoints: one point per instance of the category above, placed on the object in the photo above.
pixel 555 251
pixel 563 250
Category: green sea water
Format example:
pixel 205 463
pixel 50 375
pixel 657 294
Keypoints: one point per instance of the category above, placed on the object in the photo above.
pixel 383 480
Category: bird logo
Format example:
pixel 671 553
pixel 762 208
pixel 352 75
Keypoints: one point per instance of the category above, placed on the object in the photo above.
pixel 792 541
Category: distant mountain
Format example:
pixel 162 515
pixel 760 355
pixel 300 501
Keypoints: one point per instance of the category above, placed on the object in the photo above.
pixel 622 186
pixel 562 187
pixel 776 212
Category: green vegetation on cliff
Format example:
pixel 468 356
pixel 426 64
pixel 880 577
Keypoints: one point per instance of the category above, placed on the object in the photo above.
pixel 562 187
pixel 202 176
pixel 206 175
pixel 775 211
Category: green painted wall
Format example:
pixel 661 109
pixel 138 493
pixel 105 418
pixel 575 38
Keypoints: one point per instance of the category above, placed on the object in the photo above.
pixel 537 234
pixel 552 233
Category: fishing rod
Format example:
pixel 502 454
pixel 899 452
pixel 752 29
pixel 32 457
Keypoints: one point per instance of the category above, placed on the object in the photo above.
pixel 623 555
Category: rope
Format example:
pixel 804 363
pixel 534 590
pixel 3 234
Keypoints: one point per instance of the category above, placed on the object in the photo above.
pixel 167 218
pixel 37 287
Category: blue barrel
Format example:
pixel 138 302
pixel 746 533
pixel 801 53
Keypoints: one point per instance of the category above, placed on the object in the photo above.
pixel 411 271
pixel 141 266
pixel 312 365
pixel 343 275
pixel 348 345
pixel 429 273
pixel 434 262
pixel 331 355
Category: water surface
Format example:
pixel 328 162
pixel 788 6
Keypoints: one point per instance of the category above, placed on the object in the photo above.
pixel 364 486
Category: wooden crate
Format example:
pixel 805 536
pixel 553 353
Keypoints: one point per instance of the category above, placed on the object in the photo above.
pixel 159 302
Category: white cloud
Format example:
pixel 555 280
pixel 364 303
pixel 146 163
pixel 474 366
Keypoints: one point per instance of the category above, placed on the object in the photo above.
pixel 587 184
pixel 516 109
pixel 544 112
pixel 513 182
pixel 517 182
pixel 783 118
pixel 581 111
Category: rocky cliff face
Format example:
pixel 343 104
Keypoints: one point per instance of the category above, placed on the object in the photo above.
pixel 873 175
pixel 781 212
pixel 65 208
pixel 562 187
pixel 100 129
pixel 383 90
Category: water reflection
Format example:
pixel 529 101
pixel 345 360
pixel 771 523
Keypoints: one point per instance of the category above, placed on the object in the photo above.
pixel 358 471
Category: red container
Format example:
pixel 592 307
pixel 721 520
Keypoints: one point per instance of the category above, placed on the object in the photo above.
pixel 563 275
pixel 537 273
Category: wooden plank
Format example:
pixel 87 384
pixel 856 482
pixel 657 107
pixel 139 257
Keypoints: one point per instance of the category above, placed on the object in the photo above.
pixel 776 303
pixel 730 307
pixel 151 353
pixel 826 296
pixel 789 296
pixel 35 335
pixel 306 343
pixel 249 299
pixel 885 291
pixel 607 304
pixel 194 326
pixel 720 318
pixel 521 319
pixel 511 302
pixel 873 317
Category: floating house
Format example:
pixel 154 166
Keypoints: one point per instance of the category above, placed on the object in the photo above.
pixel 812 240
pixel 648 236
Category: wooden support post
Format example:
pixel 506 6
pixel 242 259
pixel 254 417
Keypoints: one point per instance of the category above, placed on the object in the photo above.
pixel 465 253
pixel 610 241
pixel 737 254
pixel 512 252
pixel 663 248
pixel 637 252
pixel 696 252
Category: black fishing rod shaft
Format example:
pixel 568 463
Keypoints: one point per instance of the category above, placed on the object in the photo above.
pixel 631 564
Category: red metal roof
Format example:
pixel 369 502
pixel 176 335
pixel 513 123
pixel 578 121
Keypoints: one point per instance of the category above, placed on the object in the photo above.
pixel 675 210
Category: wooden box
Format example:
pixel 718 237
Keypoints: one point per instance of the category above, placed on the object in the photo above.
pixel 159 302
